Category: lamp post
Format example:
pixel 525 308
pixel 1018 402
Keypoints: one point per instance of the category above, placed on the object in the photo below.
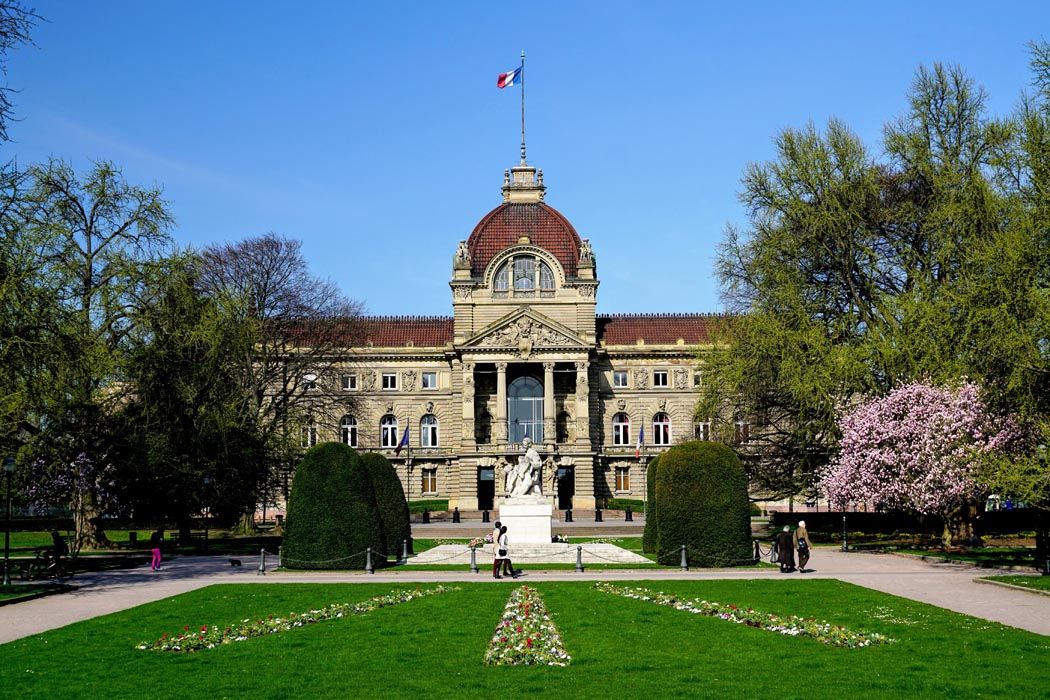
pixel 844 547
pixel 9 470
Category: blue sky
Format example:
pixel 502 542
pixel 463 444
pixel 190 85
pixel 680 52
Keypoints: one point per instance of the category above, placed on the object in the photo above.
pixel 374 132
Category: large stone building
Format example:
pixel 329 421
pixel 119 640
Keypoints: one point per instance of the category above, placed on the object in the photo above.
pixel 524 354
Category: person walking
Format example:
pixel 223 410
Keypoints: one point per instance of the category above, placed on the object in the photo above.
pixel 154 543
pixel 504 552
pixel 803 545
pixel 497 560
pixel 785 551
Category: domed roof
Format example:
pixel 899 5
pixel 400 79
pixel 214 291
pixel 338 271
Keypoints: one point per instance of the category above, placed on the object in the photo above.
pixel 505 226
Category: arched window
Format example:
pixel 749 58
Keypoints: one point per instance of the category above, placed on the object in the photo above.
pixel 621 429
pixel 525 409
pixel 501 282
pixel 661 429
pixel 546 276
pixel 428 431
pixel 309 434
pixel 388 431
pixel 348 430
pixel 523 273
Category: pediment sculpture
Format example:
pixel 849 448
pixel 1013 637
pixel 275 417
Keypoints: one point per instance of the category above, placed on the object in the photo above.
pixel 526 333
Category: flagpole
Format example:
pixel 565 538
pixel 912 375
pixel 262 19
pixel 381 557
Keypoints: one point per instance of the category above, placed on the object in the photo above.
pixel 523 106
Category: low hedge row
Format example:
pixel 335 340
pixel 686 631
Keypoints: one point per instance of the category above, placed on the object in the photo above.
pixel 997 522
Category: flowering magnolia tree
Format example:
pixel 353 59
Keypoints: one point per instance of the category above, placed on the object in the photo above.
pixel 918 449
pixel 84 485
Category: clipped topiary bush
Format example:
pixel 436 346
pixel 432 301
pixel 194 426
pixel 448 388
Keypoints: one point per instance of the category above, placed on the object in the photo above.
pixel 650 534
pixel 390 498
pixel 701 495
pixel 332 513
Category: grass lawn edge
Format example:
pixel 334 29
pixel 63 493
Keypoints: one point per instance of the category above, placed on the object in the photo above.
pixel 946 559
pixel 1014 586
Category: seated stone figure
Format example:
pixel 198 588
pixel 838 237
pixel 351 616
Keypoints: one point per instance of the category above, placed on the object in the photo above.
pixel 527 473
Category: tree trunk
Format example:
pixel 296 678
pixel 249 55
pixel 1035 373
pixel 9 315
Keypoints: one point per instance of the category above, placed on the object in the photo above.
pixel 87 524
pixel 245 525
pixel 185 526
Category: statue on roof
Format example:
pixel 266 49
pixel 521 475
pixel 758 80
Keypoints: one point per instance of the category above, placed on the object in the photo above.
pixel 586 253
pixel 462 258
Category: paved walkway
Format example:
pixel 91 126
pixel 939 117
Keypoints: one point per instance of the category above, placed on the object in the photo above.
pixel 948 586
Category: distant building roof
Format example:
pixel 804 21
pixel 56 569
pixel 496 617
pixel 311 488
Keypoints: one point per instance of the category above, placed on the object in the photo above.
pixel 655 329
pixel 438 331
pixel 505 226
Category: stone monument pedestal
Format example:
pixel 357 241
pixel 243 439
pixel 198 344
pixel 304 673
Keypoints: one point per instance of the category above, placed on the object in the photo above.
pixel 528 520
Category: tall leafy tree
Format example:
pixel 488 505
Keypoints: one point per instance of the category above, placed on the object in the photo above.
pixel 99 237
pixel 191 445
pixel 302 325
pixel 858 271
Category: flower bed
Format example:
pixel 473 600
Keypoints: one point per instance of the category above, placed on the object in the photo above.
pixel 210 637
pixel 526 635
pixel 792 626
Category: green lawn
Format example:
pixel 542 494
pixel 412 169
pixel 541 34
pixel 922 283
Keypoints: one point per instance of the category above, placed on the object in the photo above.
pixel 988 556
pixel 1040 582
pixel 16 590
pixel 433 648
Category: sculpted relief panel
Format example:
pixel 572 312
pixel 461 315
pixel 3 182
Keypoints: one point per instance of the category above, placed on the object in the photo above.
pixel 526 330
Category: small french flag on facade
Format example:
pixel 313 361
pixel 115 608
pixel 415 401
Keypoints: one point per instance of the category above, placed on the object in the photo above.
pixel 509 79
pixel 641 442
pixel 403 443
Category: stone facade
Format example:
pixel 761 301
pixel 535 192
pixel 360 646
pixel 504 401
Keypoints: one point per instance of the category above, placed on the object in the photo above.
pixel 523 354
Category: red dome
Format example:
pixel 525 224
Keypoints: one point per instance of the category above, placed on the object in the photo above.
pixel 504 226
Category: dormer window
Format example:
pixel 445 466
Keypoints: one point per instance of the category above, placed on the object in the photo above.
pixel 523 273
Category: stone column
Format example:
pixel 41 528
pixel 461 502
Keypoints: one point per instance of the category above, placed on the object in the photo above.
pixel 549 423
pixel 499 430
pixel 583 405
pixel 467 436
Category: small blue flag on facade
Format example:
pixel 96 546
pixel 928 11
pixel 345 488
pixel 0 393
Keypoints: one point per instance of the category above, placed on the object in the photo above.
pixel 403 443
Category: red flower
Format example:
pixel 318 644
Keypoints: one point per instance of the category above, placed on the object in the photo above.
pixel 528 642
pixel 204 628
pixel 186 628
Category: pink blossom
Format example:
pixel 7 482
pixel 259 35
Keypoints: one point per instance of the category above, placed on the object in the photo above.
pixel 916 449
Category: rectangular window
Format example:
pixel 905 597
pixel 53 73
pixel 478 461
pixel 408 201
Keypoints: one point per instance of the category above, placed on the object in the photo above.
pixel 349 382
pixel 623 479
pixel 620 379
pixel 309 435
pixel 430 380
pixel 743 432
pixel 389 381
pixel 659 377
pixel 696 379
pixel 702 431
pixel 430 480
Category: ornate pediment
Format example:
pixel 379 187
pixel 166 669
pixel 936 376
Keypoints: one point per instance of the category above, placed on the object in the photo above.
pixel 525 331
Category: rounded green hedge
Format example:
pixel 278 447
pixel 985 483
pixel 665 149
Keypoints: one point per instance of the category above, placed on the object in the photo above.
pixel 332 512
pixel 651 532
pixel 701 495
pixel 390 498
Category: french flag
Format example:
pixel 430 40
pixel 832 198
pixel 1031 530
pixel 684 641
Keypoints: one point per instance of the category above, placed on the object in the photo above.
pixel 403 443
pixel 641 442
pixel 509 79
